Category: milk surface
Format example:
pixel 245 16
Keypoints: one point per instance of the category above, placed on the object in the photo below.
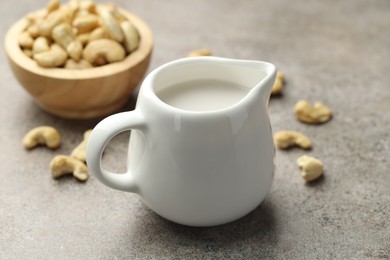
pixel 203 95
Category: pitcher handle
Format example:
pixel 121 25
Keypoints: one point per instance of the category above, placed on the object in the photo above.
pixel 99 138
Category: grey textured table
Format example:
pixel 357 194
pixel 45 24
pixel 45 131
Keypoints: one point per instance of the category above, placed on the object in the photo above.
pixel 337 52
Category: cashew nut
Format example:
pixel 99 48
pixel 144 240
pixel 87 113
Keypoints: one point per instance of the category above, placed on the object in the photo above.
pixel 53 5
pixel 42 135
pixel 82 13
pixel 131 36
pixel 200 52
pixel 75 49
pixel 81 64
pixel 63 34
pixel 83 38
pixel 98 33
pixel 74 4
pixel 287 139
pixel 35 17
pixel 53 19
pixel 41 44
pixel 311 168
pixel 111 24
pixel 113 9
pixel 86 23
pixel 69 11
pixel 25 40
pixel 55 57
pixel 278 84
pixel 103 49
pixel 33 31
pixel 62 165
pixel 307 113
pixel 28 52
pixel 88 5
pixel 80 151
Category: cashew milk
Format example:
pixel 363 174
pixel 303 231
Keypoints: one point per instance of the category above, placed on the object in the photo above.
pixel 203 95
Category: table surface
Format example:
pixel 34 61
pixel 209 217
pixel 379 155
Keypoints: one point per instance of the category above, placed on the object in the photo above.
pixel 333 51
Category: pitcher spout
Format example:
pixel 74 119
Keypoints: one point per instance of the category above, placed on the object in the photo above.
pixel 259 77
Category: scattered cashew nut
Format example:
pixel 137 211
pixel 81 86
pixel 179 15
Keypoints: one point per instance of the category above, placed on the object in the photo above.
pixel 200 52
pixel 278 84
pixel 311 168
pixel 42 135
pixel 312 114
pixel 80 151
pixel 287 139
pixel 103 49
pixel 62 165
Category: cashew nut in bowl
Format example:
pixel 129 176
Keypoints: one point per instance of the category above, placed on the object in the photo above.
pixel 88 5
pixel 25 40
pixel 287 139
pixel 80 64
pixel 106 49
pixel 111 24
pixel 41 44
pixel 28 52
pixel 75 49
pixel 63 34
pixel 42 135
pixel 113 9
pixel 312 114
pixel 33 31
pixel 85 24
pixel 83 38
pixel 53 5
pixel 53 19
pixel 55 57
pixel 98 33
pixel 131 36
pixel 311 168
pixel 81 150
pixel 35 17
pixel 63 165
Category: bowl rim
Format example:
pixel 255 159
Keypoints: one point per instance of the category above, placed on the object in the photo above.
pixel 15 53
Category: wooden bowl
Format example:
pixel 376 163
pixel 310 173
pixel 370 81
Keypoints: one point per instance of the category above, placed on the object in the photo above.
pixel 83 93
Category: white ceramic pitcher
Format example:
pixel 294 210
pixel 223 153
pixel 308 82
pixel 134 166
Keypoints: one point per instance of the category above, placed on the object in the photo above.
pixel 198 168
